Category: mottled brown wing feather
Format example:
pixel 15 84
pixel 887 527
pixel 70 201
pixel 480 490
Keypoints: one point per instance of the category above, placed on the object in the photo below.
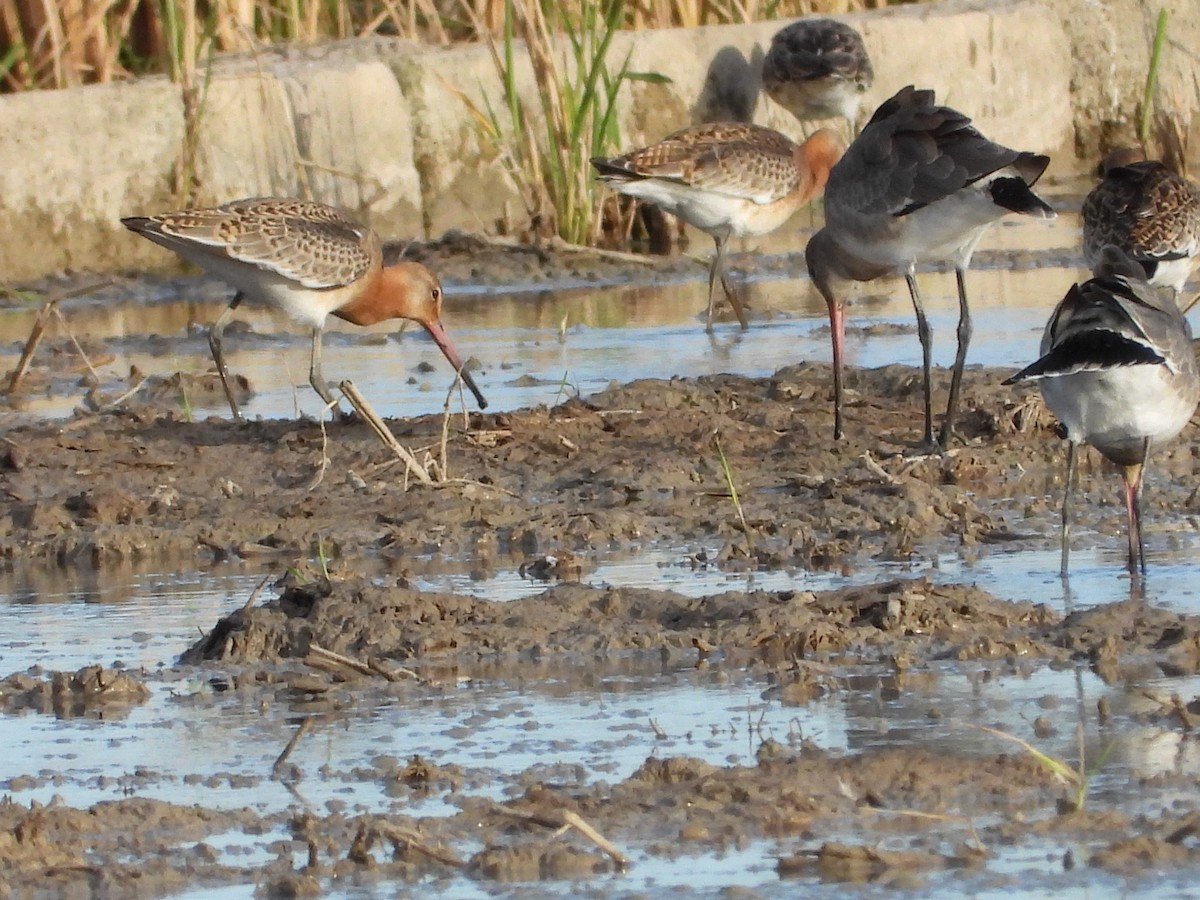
pixel 317 246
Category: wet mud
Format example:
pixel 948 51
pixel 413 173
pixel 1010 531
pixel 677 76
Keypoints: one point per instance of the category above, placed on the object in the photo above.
pixel 549 492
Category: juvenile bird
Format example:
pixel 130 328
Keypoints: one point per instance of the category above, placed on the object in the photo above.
pixel 308 260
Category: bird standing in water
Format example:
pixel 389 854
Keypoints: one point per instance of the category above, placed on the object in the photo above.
pixel 920 184
pixel 308 260
pixel 727 179
pixel 1117 369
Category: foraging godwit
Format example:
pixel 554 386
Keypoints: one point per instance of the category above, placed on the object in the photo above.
pixel 1149 212
pixel 308 260
pixel 818 69
pixel 728 180
pixel 1117 369
pixel 919 184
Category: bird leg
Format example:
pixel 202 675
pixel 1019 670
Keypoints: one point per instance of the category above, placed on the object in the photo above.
pixel 717 273
pixel 1072 459
pixel 837 327
pixel 314 372
pixel 960 358
pixel 214 344
pixel 1133 510
pixel 926 355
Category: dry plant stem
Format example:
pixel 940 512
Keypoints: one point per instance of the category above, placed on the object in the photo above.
pixel 39 327
pixel 85 419
pixel 320 654
pixel 291 745
pixel 254 593
pixel 564 819
pixel 324 464
pixel 359 402
pixel 403 837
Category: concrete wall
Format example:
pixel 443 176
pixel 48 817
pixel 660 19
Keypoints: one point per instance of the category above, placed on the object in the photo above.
pixel 381 126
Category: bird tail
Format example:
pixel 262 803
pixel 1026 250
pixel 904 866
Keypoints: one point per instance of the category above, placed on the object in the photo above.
pixel 1012 193
pixel 1091 351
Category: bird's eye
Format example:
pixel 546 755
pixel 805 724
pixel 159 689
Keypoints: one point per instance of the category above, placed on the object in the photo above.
pixel 437 293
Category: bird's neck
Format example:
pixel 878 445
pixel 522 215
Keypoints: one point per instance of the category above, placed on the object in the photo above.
pixel 369 304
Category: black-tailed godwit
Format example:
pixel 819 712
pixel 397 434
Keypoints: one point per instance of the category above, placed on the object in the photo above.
pixel 728 180
pixel 1117 369
pixel 1149 212
pixel 920 184
pixel 308 260
pixel 818 69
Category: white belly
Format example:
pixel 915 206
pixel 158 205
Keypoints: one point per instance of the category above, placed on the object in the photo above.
pixel 1117 410
pixel 306 305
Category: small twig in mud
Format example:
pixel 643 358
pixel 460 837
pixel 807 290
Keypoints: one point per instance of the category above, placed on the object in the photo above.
pixel 563 819
pixel 733 494
pixel 80 422
pixel 291 745
pixel 359 402
pixel 320 654
pixel 877 470
pixel 446 422
pixel 254 593
pixel 323 466
pixel 400 839
pixel 938 817
pixel 49 308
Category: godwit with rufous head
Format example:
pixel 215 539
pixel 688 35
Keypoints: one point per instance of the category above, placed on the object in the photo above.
pixel 728 180
pixel 818 69
pixel 1118 370
pixel 919 184
pixel 1149 212
pixel 308 260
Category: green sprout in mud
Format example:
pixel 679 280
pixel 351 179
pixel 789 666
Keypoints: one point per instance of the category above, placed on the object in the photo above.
pixel 562 388
pixel 185 402
pixel 1078 777
pixel 733 495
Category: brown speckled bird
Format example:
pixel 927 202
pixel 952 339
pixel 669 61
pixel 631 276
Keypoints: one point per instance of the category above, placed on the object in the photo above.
pixel 727 179
pixel 308 260
pixel 818 69
pixel 1149 212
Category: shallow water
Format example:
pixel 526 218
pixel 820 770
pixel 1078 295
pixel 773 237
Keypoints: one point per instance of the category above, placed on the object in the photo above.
pixel 535 347
pixel 190 743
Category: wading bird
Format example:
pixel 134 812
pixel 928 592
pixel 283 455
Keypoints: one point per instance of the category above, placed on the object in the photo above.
pixel 1149 212
pixel 920 184
pixel 818 69
pixel 308 260
pixel 727 179
pixel 1118 371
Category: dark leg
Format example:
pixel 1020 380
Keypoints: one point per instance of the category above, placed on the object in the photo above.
pixel 960 358
pixel 926 354
pixel 1066 510
pixel 214 344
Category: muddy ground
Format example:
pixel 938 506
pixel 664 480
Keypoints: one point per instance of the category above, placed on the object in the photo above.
pixel 549 491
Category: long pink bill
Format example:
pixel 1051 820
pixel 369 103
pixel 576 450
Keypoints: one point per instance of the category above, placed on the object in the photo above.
pixel 441 337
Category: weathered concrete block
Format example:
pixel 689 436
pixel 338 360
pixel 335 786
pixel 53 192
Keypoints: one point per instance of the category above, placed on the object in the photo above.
pixel 71 162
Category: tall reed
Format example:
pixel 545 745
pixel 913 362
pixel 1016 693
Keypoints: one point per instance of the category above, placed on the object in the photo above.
pixel 55 43
pixel 546 150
